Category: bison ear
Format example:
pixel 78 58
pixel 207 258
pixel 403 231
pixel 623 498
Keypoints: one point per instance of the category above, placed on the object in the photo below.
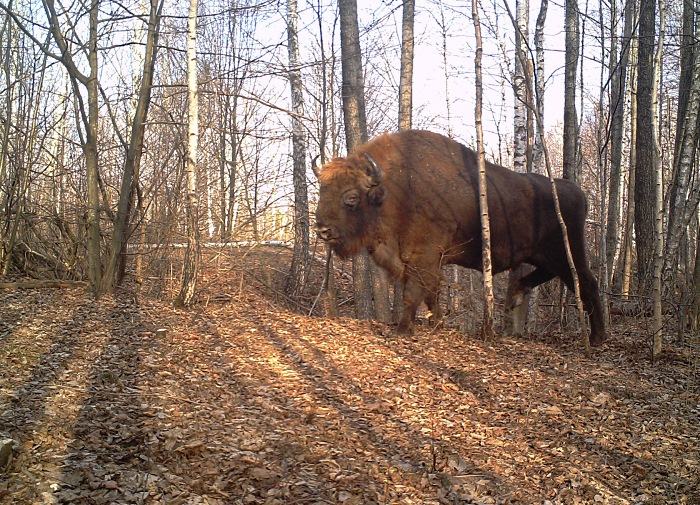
pixel 375 172
pixel 375 195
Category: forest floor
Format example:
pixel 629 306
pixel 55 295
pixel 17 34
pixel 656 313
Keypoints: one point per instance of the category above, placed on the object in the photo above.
pixel 241 401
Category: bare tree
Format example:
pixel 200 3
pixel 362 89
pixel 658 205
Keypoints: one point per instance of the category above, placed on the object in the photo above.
pixel 300 257
pixel 618 85
pixel 114 269
pixel 516 318
pixel 537 151
pixel 487 328
pixel 571 134
pixel 683 202
pixel 406 77
pixel 190 269
pixel 658 259
pixel 647 159
pixel 405 108
pixel 355 133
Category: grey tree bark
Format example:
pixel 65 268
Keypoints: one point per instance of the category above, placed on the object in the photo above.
pixel 647 154
pixel 300 256
pixel 618 86
pixel 681 204
pixel 570 141
pixel 537 152
pixel 114 269
pixel 353 95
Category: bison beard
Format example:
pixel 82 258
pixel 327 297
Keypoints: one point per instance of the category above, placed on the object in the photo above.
pixel 411 199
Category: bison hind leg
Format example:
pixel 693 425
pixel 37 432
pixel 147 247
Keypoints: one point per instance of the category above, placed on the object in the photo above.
pixel 524 285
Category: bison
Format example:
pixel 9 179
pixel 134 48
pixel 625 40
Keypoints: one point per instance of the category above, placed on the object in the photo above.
pixel 411 199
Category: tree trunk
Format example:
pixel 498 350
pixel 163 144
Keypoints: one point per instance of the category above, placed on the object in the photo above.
pixel 406 77
pixel 487 328
pixel 117 254
pixel 570 141
pixel 515 319
pixel 190 269
pixel 538 155
pixel 520 88
pixel 92 161
pixel 618 84
pixel 695 306
pixel 658 193
pixel 628 258
pixel 355 133
pixel 300 256
pixel 405 110
pixel 647 155
pixel 686 144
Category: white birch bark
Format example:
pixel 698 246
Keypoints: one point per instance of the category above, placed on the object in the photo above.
pixel 682 210
pixel 190 268
pixel 659 204
pixel 487 327
pixel 520 107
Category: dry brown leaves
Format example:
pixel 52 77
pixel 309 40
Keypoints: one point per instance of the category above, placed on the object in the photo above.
pixel 243 403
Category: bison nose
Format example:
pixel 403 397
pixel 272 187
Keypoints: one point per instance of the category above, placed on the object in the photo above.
pixel 324 232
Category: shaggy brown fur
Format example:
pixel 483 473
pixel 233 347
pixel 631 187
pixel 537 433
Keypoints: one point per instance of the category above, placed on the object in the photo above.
pixel 416 208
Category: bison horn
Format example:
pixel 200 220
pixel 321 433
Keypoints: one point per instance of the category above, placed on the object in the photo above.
pixel 314 166
pixel 376 174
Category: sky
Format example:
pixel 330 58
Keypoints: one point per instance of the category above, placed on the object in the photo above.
pixel 430 109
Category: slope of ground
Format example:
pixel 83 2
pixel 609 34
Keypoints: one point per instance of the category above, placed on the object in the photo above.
pixel 241 402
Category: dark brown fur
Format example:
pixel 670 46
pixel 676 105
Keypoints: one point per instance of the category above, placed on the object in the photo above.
pixel 422 212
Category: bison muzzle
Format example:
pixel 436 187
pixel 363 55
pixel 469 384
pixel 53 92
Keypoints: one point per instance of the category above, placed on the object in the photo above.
pixel 411 199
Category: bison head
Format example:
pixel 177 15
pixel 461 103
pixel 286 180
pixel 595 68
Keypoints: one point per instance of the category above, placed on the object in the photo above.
pixel 349 199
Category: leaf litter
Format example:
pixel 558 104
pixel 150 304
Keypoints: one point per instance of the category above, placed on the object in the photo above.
pixel 242 402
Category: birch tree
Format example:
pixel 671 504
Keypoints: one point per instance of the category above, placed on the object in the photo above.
pixel 537 150
pixel 190 269
pixel 405 109
pixel 487 328
pixel 300 256
pixel 683 203
pixel 659 192
pixel 521 107
pixel 516 318
pixel 618 86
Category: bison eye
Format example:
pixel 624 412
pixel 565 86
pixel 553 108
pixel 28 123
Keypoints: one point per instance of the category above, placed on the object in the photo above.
pixel 351 198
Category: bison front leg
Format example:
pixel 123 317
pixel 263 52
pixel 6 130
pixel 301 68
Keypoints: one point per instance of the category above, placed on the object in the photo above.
pixel 421 285
pixel 434 311
pixel 413 295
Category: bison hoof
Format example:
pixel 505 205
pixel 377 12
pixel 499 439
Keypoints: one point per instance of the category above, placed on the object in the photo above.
pixel 405 329
pixel 598 339
pixel 436 323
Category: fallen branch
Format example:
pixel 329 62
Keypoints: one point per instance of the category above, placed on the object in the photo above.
pixel 42 284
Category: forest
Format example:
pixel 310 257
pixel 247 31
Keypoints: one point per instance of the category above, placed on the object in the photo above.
pixel 173 331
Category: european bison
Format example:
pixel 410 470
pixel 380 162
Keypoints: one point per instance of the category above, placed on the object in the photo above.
pixel 411 199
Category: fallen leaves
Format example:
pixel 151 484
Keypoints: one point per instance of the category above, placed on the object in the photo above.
pixel 244 403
